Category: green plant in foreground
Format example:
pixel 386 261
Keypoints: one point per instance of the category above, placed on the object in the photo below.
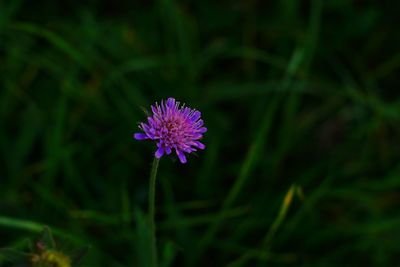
pixel 50 259
pixel 43 253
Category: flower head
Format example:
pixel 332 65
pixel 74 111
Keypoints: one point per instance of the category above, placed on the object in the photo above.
pixel 174 127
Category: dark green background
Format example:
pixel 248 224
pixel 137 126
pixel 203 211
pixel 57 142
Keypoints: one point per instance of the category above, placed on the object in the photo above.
pixel 301 93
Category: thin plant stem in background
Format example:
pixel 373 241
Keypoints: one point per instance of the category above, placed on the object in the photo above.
pixel 152 209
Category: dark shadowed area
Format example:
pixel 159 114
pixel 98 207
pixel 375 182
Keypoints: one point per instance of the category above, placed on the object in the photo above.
pixel 302 105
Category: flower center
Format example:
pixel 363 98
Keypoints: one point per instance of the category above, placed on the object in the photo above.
pixel 172 132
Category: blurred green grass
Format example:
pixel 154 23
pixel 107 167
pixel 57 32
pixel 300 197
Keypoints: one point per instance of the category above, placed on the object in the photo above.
pixel 298 93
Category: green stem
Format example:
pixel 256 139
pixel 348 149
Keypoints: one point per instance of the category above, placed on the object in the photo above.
pixel 152 199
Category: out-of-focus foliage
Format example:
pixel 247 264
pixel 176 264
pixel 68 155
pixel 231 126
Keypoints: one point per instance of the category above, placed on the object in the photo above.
pixel 300 98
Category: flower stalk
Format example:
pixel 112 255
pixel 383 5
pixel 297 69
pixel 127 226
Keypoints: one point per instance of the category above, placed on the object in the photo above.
pixel 174 128
pixel 152 208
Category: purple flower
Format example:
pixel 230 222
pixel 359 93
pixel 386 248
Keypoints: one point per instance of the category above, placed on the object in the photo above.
pixel 174 127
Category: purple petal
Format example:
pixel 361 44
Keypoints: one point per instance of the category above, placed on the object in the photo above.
pixel 171 102
pixel 189 149
pixel 155 108
pixel 151 136
pixel 196 115
pixel 181 156
pixel 199 123
pixel 140 136
pixel 197 136
pixel 159 153
pixel 151 121
pixel 167 150
pixel 203 130
pixel 200 145
pixel 144 127
pixel 186 111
